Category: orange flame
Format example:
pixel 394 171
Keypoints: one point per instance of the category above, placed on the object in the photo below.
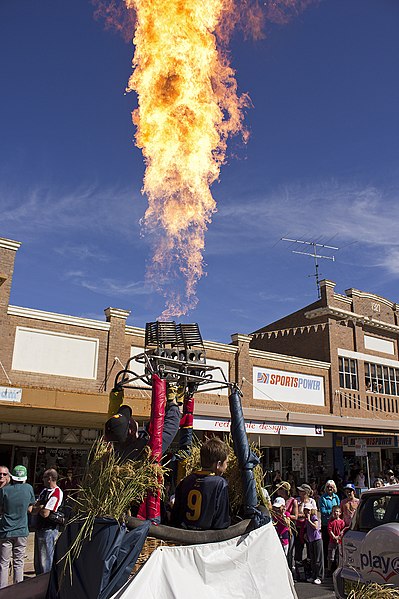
pixel 115 16
pixel 188 106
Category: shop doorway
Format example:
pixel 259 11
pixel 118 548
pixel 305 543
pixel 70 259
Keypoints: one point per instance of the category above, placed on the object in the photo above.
pixel 6 456
pixel 320 465
pixel 353 464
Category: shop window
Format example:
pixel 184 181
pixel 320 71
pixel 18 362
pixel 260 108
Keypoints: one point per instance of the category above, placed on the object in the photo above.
pixel 293 464
pixel 392 381
pixel 386 383
pixel 62 459
pixel 348 378
pixel 353 463
pixel 271 465
pixel 320 464
pixel 381 379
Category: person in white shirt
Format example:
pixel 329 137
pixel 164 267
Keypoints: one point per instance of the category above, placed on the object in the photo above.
pixel 360 480
pixel 47 529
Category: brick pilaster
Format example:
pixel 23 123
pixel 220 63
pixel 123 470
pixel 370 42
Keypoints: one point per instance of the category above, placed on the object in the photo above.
pixel 116 347
pixel 8 250
pixel 327 292
pixel 243 363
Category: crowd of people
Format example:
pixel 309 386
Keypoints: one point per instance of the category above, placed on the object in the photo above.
pixel 310 521
pixel 313 519
pixel 17 501
pixel 201 500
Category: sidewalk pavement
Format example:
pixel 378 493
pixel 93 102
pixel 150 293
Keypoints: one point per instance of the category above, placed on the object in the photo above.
pixel 306 590
pixel 29 569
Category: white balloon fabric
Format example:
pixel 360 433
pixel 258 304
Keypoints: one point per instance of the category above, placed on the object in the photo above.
pixel 253 565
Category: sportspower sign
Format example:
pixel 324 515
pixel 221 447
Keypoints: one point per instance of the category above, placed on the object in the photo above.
pixel 284 386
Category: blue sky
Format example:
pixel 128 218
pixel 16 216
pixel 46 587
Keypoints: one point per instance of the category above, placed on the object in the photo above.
pixel 321 163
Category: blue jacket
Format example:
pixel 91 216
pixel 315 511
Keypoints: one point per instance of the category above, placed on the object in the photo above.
pixel 327 502
pixel 201 502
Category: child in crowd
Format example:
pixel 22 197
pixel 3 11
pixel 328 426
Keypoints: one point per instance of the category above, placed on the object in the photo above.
pixel 314 543
pixel 202 499
pixel 282 522
pixel 335 527
pixel 378 482
pixel 291 506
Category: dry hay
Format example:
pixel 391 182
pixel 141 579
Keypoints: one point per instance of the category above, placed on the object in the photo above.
pixel 110 485
pixel 373 591
pixel 109 488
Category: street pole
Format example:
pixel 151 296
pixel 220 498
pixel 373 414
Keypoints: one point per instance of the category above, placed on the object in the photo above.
pixel 368 470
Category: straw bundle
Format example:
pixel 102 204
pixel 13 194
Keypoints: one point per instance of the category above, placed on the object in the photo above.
pixel 109 488
pixel 373 591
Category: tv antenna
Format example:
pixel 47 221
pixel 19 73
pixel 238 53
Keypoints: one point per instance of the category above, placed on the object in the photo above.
pixel 314 254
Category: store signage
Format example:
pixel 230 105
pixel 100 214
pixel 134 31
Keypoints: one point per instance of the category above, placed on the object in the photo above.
pixel 360 448
pixel 203 423
pixel 10 394
pixel 298 461
pixel 377 441
pixel 284 386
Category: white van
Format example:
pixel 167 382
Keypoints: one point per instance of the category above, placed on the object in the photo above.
pixel 370 548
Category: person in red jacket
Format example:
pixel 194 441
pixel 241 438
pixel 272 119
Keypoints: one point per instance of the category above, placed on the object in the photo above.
pixel 335 527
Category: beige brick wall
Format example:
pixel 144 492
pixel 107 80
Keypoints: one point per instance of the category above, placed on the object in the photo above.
pixel 47 381
pixel 62 398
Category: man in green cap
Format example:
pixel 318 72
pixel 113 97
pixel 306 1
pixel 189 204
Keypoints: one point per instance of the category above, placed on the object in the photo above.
pixel 16 501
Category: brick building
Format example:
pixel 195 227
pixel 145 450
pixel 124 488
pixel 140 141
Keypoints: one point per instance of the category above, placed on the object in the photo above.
pixel 56 372
pixel 357 334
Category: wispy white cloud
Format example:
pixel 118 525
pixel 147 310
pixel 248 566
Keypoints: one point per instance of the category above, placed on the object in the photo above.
pixel 109 287
pixel 74 274
pixel 347 212
pixel 390 261
pixel 115 288
pixel 275 297
pixel 240 311
pixel 88 208
pixel 82 252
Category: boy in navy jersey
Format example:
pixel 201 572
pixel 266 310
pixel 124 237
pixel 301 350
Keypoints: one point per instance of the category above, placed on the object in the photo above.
pixel 202 499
